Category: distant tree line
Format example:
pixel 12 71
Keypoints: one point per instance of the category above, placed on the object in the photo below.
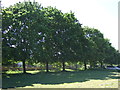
pixel 36 34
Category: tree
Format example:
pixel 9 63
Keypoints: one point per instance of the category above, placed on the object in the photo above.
pixel 89 47
pixel 64 29
pixel 95 39
pixel 21 30
pixel 100 48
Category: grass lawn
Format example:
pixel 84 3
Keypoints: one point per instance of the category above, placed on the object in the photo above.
pixel 70 79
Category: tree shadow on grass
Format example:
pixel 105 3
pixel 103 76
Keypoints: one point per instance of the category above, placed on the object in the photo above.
pixel 22 80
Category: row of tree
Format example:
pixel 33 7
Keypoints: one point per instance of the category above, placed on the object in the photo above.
pixel 36 34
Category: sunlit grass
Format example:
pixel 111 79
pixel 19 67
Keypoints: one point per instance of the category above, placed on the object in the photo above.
pixel 13 72
pixel 70 79
pixel 111 83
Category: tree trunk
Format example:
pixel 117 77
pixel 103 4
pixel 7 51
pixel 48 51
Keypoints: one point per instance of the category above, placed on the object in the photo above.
pixel 24 69
pixel 91 65
pixel 76 66
pixel 63 65
pixel 101 64
pixel 47 69
pixel 85 65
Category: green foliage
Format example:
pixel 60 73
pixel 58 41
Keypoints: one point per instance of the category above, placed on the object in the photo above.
pixel 36 34
pixel 101 49
pixel 20 31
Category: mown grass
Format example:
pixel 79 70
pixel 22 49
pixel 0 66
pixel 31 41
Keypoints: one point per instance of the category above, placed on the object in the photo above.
pixel 70 79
